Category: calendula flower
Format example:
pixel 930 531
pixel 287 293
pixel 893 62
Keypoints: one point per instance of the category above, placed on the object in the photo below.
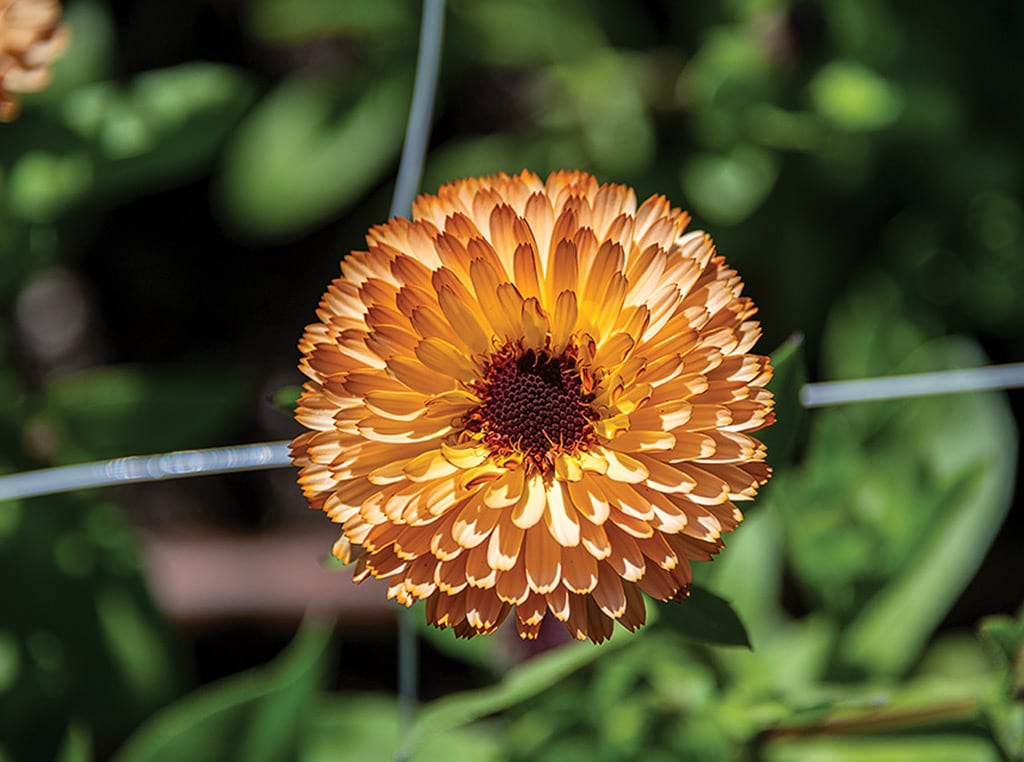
pixel 31 37
pixel 535 396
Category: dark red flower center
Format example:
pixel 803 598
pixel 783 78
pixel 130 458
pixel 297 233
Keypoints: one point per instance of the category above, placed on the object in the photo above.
pixel 533 404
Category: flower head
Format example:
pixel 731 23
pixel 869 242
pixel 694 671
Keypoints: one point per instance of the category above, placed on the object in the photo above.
pixel 535 396
pixel 31 36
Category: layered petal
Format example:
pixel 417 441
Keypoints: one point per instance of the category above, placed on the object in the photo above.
pixel 536 397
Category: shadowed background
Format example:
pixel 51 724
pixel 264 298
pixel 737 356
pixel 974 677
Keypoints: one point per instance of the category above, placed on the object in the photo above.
pixel 173 206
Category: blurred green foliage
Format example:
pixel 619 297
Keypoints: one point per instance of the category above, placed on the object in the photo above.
pixel 860 163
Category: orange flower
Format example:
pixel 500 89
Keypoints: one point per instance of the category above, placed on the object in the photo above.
pixel 31 36
pixel 536 396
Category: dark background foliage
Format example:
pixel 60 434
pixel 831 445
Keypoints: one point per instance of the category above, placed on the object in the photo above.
pixel 173 207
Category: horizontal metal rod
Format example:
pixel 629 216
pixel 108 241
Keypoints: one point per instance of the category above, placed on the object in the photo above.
pixel 267 455
pixel 145 468
pixel 832 393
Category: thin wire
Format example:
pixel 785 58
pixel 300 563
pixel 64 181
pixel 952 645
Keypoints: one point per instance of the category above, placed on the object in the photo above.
pixel 145 468
pixel 832 393
pixel 267 455
pixel 408 680
pixel 417 131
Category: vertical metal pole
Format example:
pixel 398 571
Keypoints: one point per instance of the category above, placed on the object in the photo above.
pixel 410 172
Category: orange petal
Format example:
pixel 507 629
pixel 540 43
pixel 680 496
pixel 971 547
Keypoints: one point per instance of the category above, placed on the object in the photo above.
pixel 465 322
pixel 506 544
pixel 589 499
pixel 625 558
pixel 608 594
pixel 530 508
pixel 512 586
pixel 623 467
pixel 561 517
pixel 563 321
pixel 474 524
pixel 479 574
pixel 543 560
pixel 446 359
pixel 535 324
pixel 595 540
pixel 579 570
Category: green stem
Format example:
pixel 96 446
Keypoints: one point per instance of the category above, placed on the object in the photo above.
pixel 880 720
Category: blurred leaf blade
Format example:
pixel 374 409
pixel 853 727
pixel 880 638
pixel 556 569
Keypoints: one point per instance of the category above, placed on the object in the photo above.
pixel 293 162
pixel 939 748
pixel 253 716
pixel 112 411
pixel 894 625
pixel 364 726
pixel 530 678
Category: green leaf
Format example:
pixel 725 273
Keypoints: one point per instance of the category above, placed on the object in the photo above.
pixel 854 97
pixel 978 465
pixel 83 643
pixel 123 410
pixel 1005 637
pixel 252 716
pixel 705 617
pixel 77 746
pixel 790 374
pixel 895 503
pixel 1007 721
pixel 287 398
pixel 749 573
pixel 501 152
pixel 296 162
pixel 362 727
pixel 515 33
pixel 606 89
pixel 520 684
pixel 486 653
pixel 294 22
pixel 164 126
pixel 728 189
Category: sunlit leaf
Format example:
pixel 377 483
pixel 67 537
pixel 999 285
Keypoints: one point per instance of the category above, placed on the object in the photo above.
pixel 749 573
pixel 854 97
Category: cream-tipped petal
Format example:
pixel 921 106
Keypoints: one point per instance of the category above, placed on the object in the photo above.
pixel 531 504
pixel 534 394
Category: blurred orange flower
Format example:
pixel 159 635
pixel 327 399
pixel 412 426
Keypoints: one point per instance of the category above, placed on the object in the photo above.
pixel 31 37
pixel 536 396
